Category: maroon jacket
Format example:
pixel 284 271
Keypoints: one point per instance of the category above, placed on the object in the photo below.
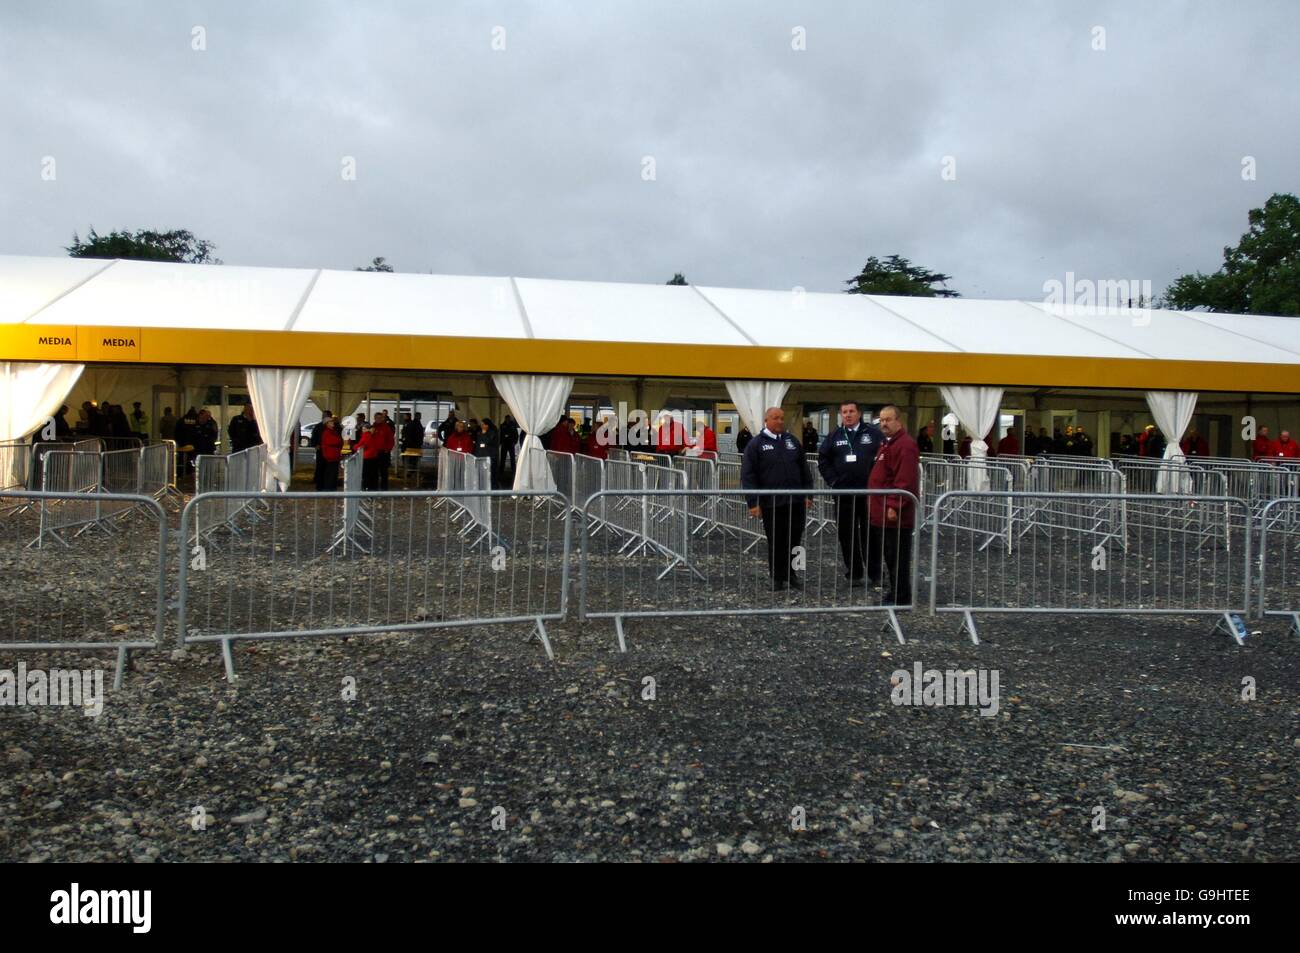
pixel 897 467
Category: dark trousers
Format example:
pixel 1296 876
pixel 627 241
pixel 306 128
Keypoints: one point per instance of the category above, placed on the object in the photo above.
pixel 385 463
pixel 783 526
pixel 898 557
pixel 501 467
pixel 327 475
pixel 370 474
pixel 858 538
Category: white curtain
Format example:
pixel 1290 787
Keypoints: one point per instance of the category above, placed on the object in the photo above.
pixel 977 410
pixel 1173 413
pixel 279 395
pixel 31 393
pixel 752 398
pixel 536 401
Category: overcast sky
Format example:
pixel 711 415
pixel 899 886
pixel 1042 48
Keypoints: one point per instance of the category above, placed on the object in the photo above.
pixel 773 167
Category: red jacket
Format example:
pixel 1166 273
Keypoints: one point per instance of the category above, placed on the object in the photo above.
pixel 670 438
pixel 706 441
pixel 563 440
pixel 1289 450
pixel 1009 444
pixel 331 445
pixel 1199 448
pixel 460 442
pixel 387 437
pixel 591 447
pixel 897 467
pixel 368 445
pixel 1261 447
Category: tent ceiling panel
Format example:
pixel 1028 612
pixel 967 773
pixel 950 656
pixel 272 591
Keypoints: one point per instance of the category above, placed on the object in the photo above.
pixel 1172 335
pixel 605 311
pixel 29 284
pixel 381 303
pixel 164 295
pixel 1002 327
pixel 1279 332
pixel 794 319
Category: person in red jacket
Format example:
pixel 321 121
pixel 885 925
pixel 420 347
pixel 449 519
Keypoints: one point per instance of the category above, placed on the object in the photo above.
pixel 1194 445
pixel 564 439
pixel 1263 443
pixel 705 441
pixel 592 446
pixel 1009 444
pixel 460 439
pixel 330 449
pixel 387 435
pixel 671 436
pixel 368 445
pixel 893 518
pixel 1284 447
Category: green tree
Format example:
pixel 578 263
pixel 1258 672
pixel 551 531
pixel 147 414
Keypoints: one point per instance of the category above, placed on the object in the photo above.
pixel 1261 275
pixel 377 265
pixel 145 245
pixel 678 279
pixel 898 276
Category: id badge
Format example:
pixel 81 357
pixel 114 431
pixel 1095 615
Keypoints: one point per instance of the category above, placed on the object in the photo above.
pixel 850 458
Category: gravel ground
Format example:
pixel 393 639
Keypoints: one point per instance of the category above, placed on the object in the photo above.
pixel 753 722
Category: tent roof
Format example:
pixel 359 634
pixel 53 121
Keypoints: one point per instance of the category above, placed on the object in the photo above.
pixel 158 312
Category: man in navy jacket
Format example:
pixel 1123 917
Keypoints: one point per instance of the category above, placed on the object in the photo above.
pixel 774 460
pixel 844 460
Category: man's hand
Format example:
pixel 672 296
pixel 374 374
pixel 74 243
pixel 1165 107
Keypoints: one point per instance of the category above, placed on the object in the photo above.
pixel 755 511
pixel 891 514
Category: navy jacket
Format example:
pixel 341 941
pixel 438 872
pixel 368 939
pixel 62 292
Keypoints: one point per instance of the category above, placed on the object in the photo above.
pixel 773 464
pixel 832 455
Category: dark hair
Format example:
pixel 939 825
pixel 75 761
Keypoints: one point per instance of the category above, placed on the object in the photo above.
pixel 856 405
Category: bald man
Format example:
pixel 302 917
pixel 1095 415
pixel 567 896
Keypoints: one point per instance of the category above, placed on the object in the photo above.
pixel 774 460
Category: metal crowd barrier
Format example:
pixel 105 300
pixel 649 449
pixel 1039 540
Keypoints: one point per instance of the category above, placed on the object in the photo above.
pixel 1258 483
pixel 158 472
pixel 74 477
pixel 462 473
pixel 221 479
pixel 723 574
pixel 1060 569
pixel 991 518
pixel 356 524
pixel 93 593
pixel 1279 561
pixel 1038 511
pixel 730 514
pixel 283 578
pixel 699 473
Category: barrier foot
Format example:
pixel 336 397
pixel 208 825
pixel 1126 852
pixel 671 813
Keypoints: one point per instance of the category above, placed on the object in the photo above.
pixel 1295 623
pixel 546 642
pixel 891 622
pixel 121 667
pixel 1229 624
pixel 229 660
pixel 968 623
pixel 618 628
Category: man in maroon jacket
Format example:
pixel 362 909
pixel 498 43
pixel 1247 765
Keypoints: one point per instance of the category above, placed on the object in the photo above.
pixel 897 467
